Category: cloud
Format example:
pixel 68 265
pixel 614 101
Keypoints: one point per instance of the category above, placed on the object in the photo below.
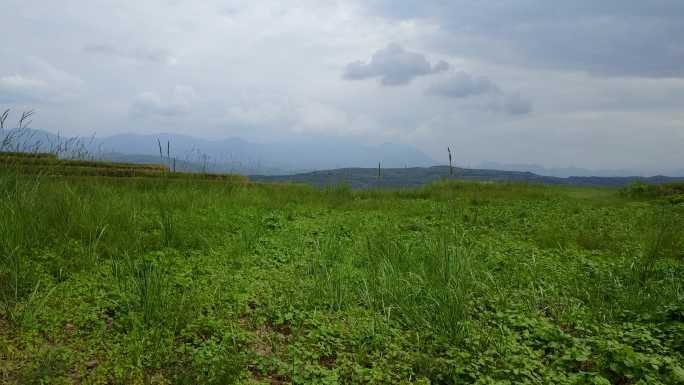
pixel 40 82
pixel 151 104
pixel 316 117
pixel 303 116
pixel 261 114
pixel 606 38
pixel 513 104
pixel 140 54
pixel 462 85
pixel 270 69
pixel 394 66
pixel 17 88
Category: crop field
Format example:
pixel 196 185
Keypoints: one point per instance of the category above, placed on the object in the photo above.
pixel 174 280
pixel 49 165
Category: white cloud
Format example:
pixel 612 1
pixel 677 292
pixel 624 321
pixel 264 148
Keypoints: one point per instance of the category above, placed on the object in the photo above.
pixel 303 116
pixel 151 104
pixel 315 117
pixel 261 114
pixel 141 54
pixel 20 87
pixel 40 82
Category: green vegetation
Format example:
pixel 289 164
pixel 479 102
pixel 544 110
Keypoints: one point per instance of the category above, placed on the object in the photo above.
pixel 50 165
pixel 193 281
pixel 674 192
pixel 49 160
pixel 27 155
pixel 420 176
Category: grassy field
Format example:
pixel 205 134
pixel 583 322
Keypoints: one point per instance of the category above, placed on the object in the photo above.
pixel 182 281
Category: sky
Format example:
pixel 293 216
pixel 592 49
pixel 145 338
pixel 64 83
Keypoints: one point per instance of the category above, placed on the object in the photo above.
pixel 584 83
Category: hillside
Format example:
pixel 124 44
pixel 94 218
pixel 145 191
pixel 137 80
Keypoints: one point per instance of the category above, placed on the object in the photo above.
pixel 419 176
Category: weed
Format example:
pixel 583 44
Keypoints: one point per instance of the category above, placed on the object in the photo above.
pixel 173 280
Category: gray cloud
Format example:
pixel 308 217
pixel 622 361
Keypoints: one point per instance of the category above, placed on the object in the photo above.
pixel 462 85
pixel 394 66
pixel 137 54
pixel 593 72
pixel 514 104
pixel 610 38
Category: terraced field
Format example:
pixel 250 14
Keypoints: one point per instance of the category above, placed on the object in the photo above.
pixel 50 165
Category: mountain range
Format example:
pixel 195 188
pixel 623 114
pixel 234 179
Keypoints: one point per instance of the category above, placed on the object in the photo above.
pixel 298 154
pixel 565 172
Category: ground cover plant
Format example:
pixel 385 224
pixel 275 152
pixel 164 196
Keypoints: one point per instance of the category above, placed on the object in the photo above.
pixel 194 281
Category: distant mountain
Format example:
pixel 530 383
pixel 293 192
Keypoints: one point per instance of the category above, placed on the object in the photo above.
pixel 565 172
pixel 193 166
pixel 562 172
pixel 419 176
pixel 297 154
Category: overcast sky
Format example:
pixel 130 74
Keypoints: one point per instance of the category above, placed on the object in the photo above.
pixel 596 84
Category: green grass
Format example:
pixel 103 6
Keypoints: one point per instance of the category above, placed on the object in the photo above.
pixel 49 165
pixel 28 155
pixel 196 281
pixel 41 160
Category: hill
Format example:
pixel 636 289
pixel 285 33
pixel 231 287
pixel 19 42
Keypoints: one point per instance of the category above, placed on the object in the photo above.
pixel 419 176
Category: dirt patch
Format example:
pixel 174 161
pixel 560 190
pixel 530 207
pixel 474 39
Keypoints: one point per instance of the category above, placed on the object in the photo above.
pixel 274 379
pixel 262 346
pixel 69 329
pixel 245 322
pixel 283 329
pixel 327 361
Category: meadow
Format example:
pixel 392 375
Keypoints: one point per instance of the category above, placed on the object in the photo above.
pixel 172 280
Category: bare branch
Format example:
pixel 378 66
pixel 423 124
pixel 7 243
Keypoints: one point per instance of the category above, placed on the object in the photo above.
pixel 3 117
pixel 451 167
pixel 23 121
